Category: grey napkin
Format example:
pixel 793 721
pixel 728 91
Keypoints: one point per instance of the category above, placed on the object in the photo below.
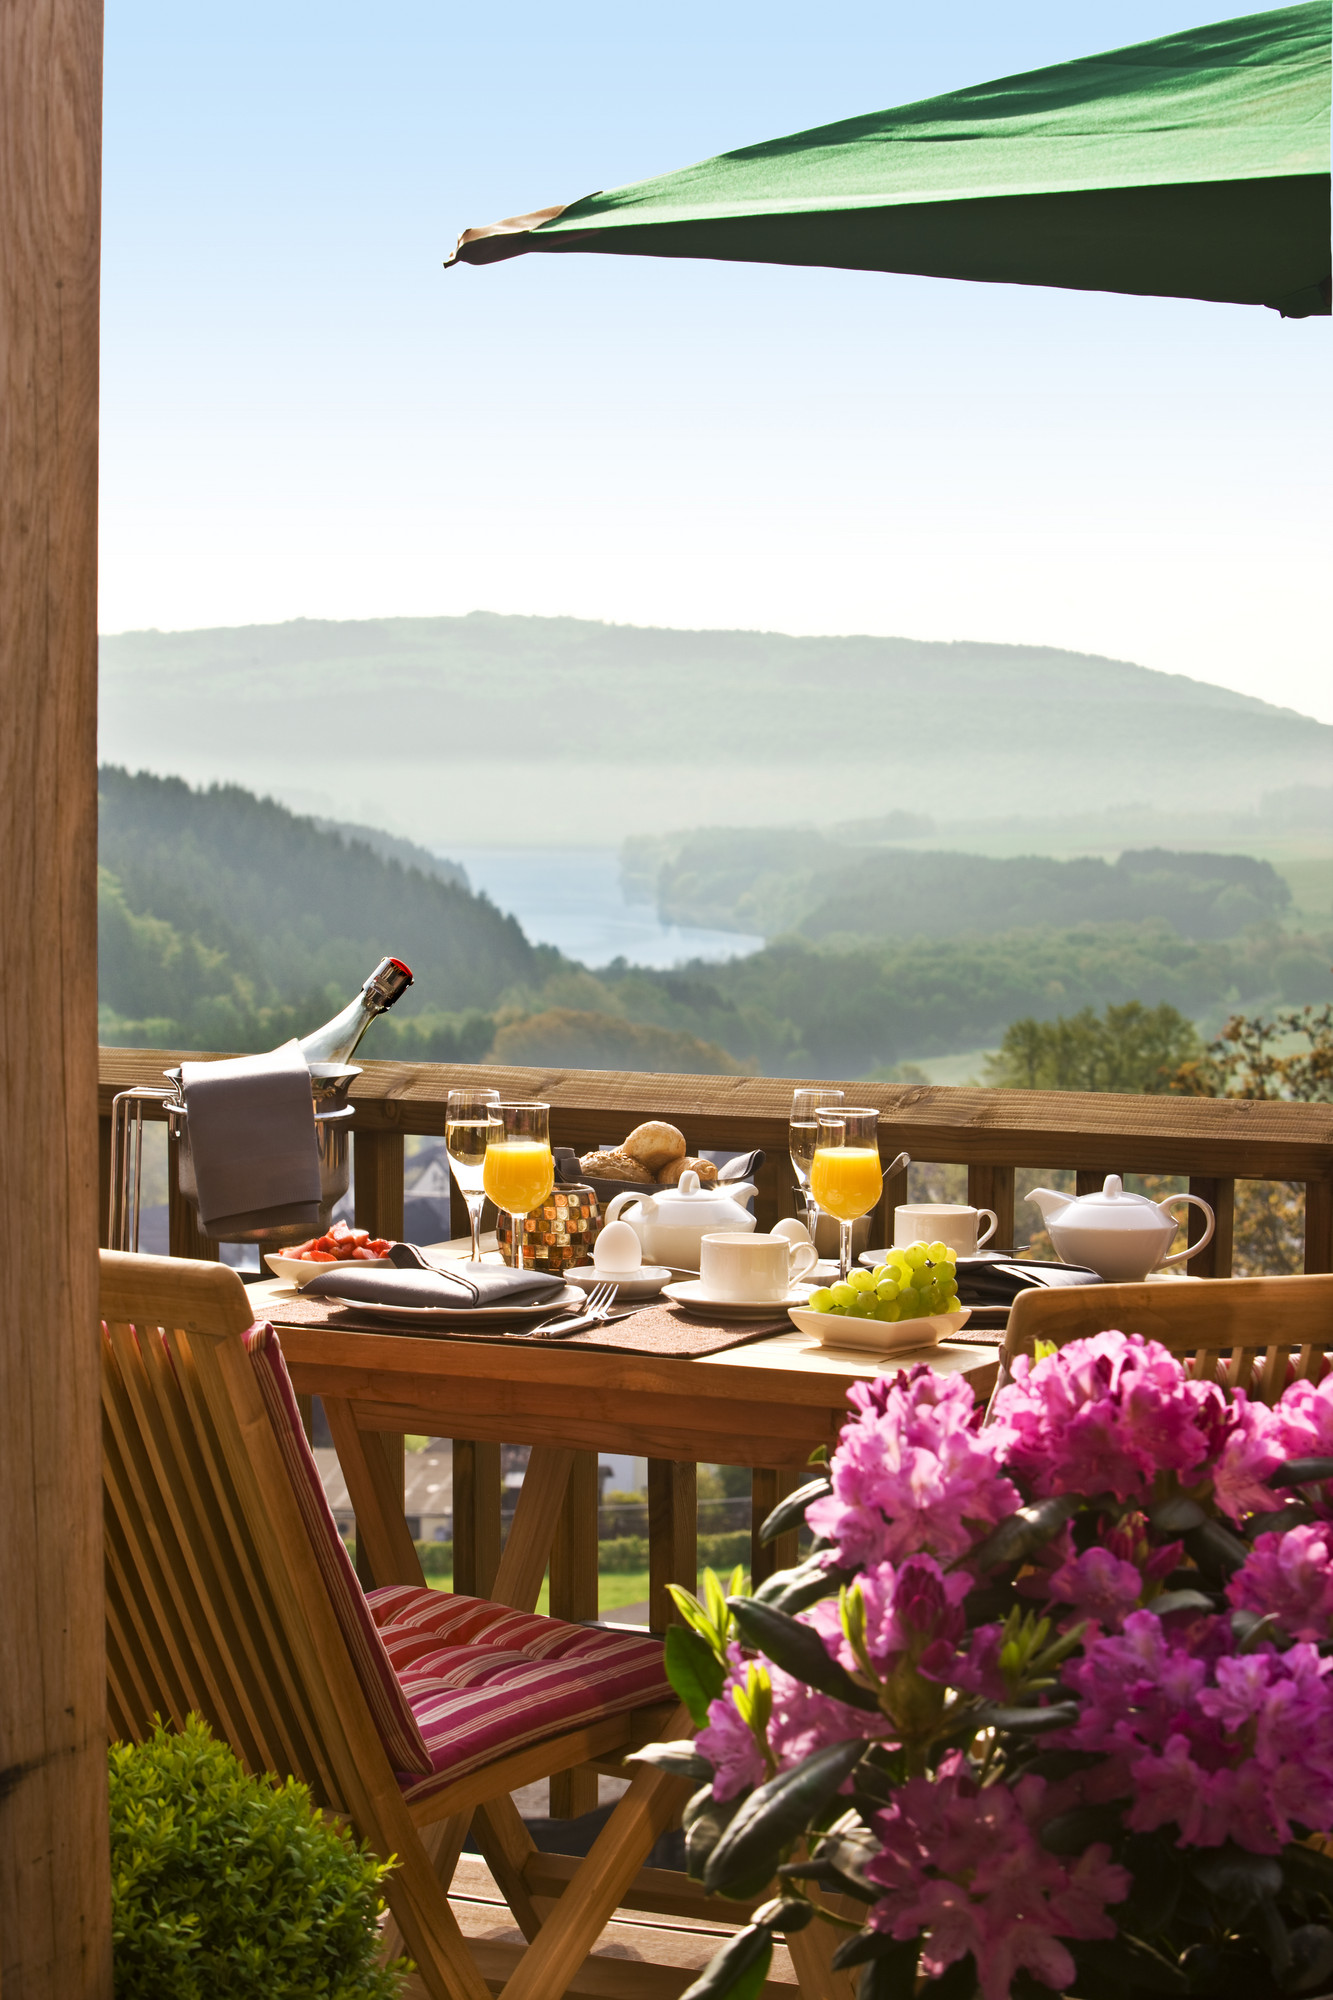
pixel 462 1287
pixel 996 1280
pixel 252 1138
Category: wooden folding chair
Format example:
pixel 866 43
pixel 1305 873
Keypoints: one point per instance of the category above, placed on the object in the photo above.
pixel 221 1599
pixel 1252 1333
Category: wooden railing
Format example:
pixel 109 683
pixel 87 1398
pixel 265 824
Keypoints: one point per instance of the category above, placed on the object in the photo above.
pixel 1211 1142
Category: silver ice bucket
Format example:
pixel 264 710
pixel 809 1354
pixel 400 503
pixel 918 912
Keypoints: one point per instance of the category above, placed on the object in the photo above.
pixel 329 1085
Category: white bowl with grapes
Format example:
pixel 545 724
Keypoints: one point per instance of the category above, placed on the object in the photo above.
pixel 909 1300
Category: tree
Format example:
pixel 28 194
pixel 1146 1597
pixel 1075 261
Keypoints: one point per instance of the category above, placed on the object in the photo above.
pixel 1132 1049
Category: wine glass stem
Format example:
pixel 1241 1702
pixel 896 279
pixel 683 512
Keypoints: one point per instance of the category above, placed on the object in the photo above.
pixel 516 1222
pixel 475 1204
pixel 844 1250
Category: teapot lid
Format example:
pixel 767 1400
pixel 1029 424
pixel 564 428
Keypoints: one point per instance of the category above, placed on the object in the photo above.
pixel 689 1192
pixel 1114 1206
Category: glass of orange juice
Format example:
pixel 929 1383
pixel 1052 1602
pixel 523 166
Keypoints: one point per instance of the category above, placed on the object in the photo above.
pixel 518 1172
pixel 846 1177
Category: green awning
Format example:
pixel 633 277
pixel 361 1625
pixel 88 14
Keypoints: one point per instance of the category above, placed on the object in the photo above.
pixel 1196 166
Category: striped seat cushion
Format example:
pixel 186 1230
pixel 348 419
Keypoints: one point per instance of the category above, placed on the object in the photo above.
pixel 397 1725
pixel 483 1681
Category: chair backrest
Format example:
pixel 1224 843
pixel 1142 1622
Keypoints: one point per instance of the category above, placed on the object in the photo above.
pixel 1252 1333
pixel 215 1599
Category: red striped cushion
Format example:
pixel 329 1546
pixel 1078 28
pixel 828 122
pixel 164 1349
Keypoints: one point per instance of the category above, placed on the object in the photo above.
pixel 483 1680
pixel 392 1712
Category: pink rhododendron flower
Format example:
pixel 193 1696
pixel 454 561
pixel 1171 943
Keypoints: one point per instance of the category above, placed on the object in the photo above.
pixel 966 1867
pixel 801 1721
pixel 1107 1415
pixel 912 1612
pixel 1303 1420
pixel 1099 1585
pixel 913 1472
pixel 1252 1451
pixel 1223 1747
pixel 1291 1576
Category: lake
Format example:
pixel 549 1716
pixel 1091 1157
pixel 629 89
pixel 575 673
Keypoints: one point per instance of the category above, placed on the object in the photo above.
pixel 571 897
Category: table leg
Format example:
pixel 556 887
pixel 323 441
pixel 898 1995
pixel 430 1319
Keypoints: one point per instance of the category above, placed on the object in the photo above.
pixel 372 1464
pixel 476 1477
pixel 574 1596
pixel 527 1550
pixel 673 1536
pixel 769 1485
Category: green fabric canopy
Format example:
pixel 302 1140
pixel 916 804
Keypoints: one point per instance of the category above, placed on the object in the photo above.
pixel 1196 166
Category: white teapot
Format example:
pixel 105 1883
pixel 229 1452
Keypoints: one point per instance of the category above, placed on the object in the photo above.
pixel 672 1223
pixel 1118 1235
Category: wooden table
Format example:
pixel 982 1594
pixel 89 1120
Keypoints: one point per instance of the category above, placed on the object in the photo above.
pixel 767 1405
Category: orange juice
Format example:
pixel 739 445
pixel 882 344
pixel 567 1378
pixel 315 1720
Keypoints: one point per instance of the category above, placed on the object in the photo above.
pixel 518 1174
pixel 846 1181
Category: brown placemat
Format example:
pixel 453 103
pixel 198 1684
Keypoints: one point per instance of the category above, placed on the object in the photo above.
pixel 655 1329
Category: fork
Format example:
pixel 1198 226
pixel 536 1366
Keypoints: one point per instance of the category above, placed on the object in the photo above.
pixel 597 1310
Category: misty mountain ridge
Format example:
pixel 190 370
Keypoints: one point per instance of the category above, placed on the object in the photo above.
pixel 611 730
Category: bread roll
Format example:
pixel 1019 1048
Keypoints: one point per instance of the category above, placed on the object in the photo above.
pixel 653 1144
pixel 672 1171
pixel 610 1164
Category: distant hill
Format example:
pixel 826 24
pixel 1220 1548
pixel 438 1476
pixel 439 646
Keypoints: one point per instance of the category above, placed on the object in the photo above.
pixel 775 881
pixel 524 729
pixel 218 907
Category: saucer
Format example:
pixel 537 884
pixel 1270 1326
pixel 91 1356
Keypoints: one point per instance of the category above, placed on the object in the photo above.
pixel 695 1298
pixel 645 1283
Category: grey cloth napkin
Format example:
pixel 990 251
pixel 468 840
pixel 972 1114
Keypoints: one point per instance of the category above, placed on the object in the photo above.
pixel 997 1280
pixel 252 1139
pixel 462 1287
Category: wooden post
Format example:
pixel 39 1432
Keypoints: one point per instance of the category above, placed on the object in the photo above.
pixel 377 1159
pixel 574 1596
pixel 1319 1225
pixel 993 1187
pixel 55 1884
pixel 673 1536
pixel 476 1474
pixel 184 1236
pixel 768 1486
pixel 1220 1194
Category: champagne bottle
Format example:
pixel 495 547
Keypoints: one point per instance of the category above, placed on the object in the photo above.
pixel 337 1040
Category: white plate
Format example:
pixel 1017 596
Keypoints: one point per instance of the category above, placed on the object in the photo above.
pixel 407 1316
pixel 693 1295
pixel 299 1271
pixel 878 1336
pixel 645 1283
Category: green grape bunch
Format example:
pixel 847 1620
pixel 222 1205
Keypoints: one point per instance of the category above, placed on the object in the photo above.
pixel 915 1283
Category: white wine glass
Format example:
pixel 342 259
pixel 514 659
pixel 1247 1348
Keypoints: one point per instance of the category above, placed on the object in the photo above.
pixel 471 1121
pixel 846 1174
pixel 519 1172
pixel 802 1138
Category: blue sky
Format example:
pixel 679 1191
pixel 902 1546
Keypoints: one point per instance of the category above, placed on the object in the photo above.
pixel 304 415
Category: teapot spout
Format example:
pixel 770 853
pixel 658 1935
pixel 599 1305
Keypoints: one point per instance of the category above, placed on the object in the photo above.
pixel 1049 1202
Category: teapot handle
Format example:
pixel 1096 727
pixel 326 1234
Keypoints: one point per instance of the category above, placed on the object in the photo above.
pixel 1191 1249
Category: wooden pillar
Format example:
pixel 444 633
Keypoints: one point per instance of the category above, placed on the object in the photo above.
pixel 769 1485
pixel 476 1477
pixel 55 1885
pixel 1319 1225
pixel 574 1596
pixel 993 1187
pixel 1220 1194
pixel 378 1159
pixel 184 1236
pixel 673 1536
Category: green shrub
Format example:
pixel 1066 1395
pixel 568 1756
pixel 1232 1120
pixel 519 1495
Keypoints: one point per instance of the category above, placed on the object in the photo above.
pixel 228 1887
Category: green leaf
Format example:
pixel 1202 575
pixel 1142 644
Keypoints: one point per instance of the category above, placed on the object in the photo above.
pixel 1158 1869
pixel 1235 1877
pixel 798 1650
pixel 1176 1515
pixel 785 1914
pixel 1216 1550
pixel 890 1978
pixel 695 1615
pixel 1308 1870
pixel 682 1760
pixel 694 1671
pixel 1167 1601
pixel 1020 1536
pixel 738 1971
pixel 776 1813
pixel 794 1590
pixel 1302 1472
pixel 790 1513
pixel 1070 1832
pixel 705 1820
pixel 868 1945
pixel 1122 1969
pixel 1027 1721
pixel 1311 1958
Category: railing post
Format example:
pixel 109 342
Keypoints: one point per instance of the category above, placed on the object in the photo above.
pixel 1319 1225
pixel 993 1187
pixel 476 1505
pixel 1220 1194
pixel 574 1596
pixel 378 1163
pixel 673 1536
pixel 768 1485
pixel 104 1181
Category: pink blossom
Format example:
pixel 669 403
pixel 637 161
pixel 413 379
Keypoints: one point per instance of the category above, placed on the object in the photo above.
pixel 1107 1415
pixel 1251 1452
pixel 729 1744
pixel 912 1612
pixel 805 1721
pixel 1303 1420
pixel 1290 1576
pixel 1222 1747
pixel 913 1471
pixel 1099 1585
pixel 966 1866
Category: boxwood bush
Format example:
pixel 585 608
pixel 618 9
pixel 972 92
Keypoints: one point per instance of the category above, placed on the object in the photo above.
pixel 228 1887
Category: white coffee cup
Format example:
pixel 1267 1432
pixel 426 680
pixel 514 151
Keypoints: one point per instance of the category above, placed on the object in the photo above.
pixel 752 1270
pixel 950 1222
